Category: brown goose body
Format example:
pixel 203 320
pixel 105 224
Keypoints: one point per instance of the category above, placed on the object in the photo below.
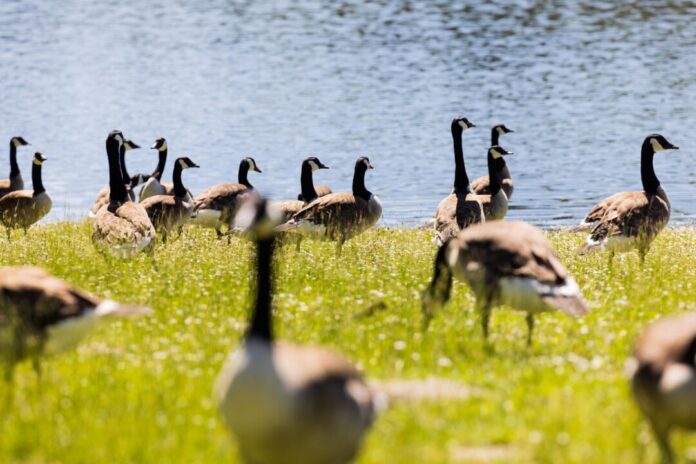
pixel 288 208
pixel 42 314
pixel 321 190
pixel 663 377
pixel 456 212
pixel 495 204
pixel 23 208
pixel 482 185
pixel 103 200
pixel 504 263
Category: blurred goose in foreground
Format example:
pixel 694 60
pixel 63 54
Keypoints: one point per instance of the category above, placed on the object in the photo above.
pixel 15 181
pixel 23 208
pixel 462 207
pixel 663 377
pixel 285 403
pixel 154 185
pixel 339 216
pixel 217 206
pixel 309 193
pixel 495 204
pixel 482 185
pixel 131 182
pixel 631 220
pixel 504 263
pixel 121 228
pixel 169 213
pixel 42 315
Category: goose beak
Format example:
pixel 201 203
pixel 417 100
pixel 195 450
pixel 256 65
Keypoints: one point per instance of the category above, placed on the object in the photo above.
pixel 323 166
pixel 256 169
pixel 194 166
pixel 154 146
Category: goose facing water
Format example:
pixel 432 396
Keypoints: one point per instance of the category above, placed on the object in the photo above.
pixel 495 204
pixel 482 185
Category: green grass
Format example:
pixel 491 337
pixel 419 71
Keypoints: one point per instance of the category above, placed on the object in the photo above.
pixel 140 390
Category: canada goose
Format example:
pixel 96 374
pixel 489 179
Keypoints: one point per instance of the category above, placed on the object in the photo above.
pixel 15 182
pixel 462 207
pixel 309 192
pixel 22 208
pixel 339 216
pixel 482 185
pixel 632 219
pixel 42 315
pixel 169 213
pixel 131 182
pixel 288 403
pixel 217 206
pixel 495 204
pixel 122 227
pixel 663 377
pixel 504 263
pixel 154 186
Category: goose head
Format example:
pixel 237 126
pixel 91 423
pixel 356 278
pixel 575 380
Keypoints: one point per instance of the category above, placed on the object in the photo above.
pixel 39 158
pixel 159 145
pixel 659 143
pixel 251 164
pixel 363 163
pixel 497 152
pixel 18 142
pixel 185 162
pixel 501 129
pixel 460 124
pixel 314 163
pixel 130 145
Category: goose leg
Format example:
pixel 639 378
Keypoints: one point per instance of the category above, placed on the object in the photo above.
pixel 611 261
pixel 219 233
pixel 662 437
pixel 485 309
pixel 9 234
pixel 339 248
pixel 298 243
pixel 642 251
pixel 530 328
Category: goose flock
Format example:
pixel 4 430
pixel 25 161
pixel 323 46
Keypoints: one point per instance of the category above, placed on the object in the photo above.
pixel 286 403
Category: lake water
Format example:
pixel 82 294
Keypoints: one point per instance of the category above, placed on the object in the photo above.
pixel 581 84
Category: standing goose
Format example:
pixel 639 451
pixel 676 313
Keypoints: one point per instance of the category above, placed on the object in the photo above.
pixel 462 207
pixel 42 315
pixel 495 204
pixel 309 193
pixel 131 182
pixel 663 377
pixel 15 182
pixel 339 216
pixel 288 403
pixel 217 206
pixel 154 186
pixel 23 208
pixel 632 219
pixel 482 185
pixel 169 213
pixel 504 263
pixel 122 227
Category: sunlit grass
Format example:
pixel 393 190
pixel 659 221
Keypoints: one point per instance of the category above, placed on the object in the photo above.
pixel 139 391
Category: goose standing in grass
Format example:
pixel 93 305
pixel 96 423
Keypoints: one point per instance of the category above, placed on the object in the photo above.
pixel 122 227
pixel 23 208
pixel 42 315
pixel 154 186
pixel 286 403
pixel 217 206
pixel 663 377
pixel 632 220
pixel 504 263
pixel 169 213
pixel 15 181
pixel 309 193
pixel 339 216
pixel 482 185
pixel 462 207
pixel 131 182
pixel 495 204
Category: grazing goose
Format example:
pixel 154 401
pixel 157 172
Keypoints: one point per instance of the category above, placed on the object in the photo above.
pixel 217 206
pixel 495 204
pixel 482 185
pixel 42 315
pixel 339 216
pixel 169 213
pixel 131 182
pixel 122 228
pixel 632 220
pixel 15 182
pixel 286 403
pixel 663 377
pixel 504 263
pixel 309 193
pixel 462 207
pixel 23 208
pixel 154 186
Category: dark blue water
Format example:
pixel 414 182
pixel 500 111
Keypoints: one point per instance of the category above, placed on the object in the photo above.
pixel 581 84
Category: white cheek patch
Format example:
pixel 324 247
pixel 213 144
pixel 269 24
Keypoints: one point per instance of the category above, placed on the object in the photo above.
pixel 183 164
pixel 252 164
pixel 163 146
pixel 463 125
pixel 656 145
pixel 496 154
pixel 313 165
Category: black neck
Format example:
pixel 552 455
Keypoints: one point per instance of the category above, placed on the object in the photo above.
pixel 494 136
pixel 647 171
pixel 14 167
pixel 359 189
pixel 461 180
pixel 307 183
pixel 179 189
pixel 36 178
pixel 160 165
pixel 122 161
pixel 242 177
pixel 118 191
pixel 494 174
pixel 261 319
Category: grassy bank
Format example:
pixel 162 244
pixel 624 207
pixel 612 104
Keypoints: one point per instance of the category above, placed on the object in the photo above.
pixel 139 391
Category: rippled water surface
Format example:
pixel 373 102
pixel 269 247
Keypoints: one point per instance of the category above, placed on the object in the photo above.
pixel 581 84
